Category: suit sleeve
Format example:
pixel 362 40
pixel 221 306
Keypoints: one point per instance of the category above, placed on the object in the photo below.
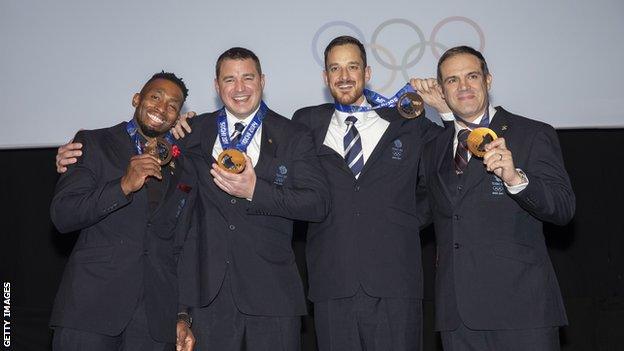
pixel 80 198
pixel 549 195
pixel 306 198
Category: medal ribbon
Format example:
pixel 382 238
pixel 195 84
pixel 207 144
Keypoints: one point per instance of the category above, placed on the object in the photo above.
pixel 248 133
pixel 485 121
pixel 378 100
pixel 135 136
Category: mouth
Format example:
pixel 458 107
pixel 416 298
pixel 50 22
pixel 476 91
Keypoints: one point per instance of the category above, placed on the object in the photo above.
pixel 345 86
pixel 155 118
pixel 241 98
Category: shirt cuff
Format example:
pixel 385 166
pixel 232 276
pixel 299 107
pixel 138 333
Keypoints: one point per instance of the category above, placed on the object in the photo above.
pixel 514 189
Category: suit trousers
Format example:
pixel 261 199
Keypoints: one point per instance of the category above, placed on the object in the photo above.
pixel 465 339
pixel 135 337
pixel 222 326
pixel 367 323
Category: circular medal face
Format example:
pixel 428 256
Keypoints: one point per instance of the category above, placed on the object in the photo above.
pixel 410 105
pixel 231 160
pixel 160 148
pixel 478 138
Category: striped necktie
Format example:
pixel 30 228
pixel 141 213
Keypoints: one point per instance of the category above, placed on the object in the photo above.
pixel 238 131
pixel 461 154
pixel 353 147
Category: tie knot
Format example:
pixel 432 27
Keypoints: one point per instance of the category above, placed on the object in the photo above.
pixel 462 136
pixel 238 126
pixel 351 120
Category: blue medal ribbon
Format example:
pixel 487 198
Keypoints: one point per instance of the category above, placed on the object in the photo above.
pixel 378 101
pixel 485 121
pixel 248 133
pixel 133 131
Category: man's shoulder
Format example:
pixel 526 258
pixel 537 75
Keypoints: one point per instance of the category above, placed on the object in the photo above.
pixel 309 113
pixel 100 133
pixel 286 125
pixel 521 122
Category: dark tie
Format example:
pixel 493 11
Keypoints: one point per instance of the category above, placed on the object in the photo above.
pixel 353 147
pixel 238 131
pixel 461 154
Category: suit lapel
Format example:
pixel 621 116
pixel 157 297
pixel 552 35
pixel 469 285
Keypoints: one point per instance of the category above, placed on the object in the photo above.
pixel 268 143
pixel 121 145
pixel 389 135
pixel 444 143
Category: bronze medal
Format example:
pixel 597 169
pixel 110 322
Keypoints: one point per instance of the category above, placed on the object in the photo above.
pixel 410 105
pixel 159 148
pixel 478 138
pixel 231 160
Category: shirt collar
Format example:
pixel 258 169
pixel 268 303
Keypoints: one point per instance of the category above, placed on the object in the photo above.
pixel 231 119
pixel 459 127
pixel 362 117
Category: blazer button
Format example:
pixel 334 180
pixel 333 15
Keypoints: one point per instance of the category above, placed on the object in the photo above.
pixel 456 217
pixel 233 201
pixel 460 188
pixel 232 227
pixel 456 246
pixel 357 188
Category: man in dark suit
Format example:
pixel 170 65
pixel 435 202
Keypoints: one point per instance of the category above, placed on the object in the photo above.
pixel 364 260
pixel 119 288
pixel 495 285
pixel 242 273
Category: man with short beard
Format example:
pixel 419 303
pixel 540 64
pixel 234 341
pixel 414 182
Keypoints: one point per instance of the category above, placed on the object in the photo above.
pixel 119 288
pixel 364 260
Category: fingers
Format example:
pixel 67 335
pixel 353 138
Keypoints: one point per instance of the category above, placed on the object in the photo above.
pixel 182 127
pixel 66 155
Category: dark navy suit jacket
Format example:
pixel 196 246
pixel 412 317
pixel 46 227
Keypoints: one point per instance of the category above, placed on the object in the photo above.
pixel 493 269
pixel 251 240
pixel 124 251
pixel 371 237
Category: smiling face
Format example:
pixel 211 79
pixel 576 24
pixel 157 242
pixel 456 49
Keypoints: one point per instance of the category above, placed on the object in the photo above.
pixel 157 106
pixel 345 74
pixel 465 86
pixel 240 85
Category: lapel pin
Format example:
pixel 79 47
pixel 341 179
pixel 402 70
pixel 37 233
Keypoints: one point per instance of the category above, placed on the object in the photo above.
pixel 270 141
pixel 504 127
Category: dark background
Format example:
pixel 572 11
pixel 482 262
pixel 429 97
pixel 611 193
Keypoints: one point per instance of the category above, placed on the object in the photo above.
pixel 588 253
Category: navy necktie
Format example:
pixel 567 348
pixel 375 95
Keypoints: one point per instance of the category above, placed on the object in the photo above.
pixel 461 154
pixel 353 147
pixel 238 131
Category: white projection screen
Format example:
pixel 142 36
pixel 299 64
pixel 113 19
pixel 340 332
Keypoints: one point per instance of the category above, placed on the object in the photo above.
pixel 74 64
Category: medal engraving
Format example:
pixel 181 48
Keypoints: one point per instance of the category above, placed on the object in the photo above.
pixel 478 138
pixel 410 105
pixel 231 160
pixel 159 148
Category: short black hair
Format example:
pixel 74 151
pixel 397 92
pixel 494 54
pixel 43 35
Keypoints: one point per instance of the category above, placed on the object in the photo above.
pixel 345 40
pixel 170 77
pixel 458 50
pixel 237 53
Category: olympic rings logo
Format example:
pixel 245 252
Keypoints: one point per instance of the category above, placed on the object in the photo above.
pixel 406 63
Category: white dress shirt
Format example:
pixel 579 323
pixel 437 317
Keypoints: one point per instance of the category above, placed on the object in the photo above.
pixel 447 117
pixel 369 125
pixel 253 150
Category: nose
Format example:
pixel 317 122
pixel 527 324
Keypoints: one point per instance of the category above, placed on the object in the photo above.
pixel 161 106
pixel 343 74
pixel 463 84
pixel 239 86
